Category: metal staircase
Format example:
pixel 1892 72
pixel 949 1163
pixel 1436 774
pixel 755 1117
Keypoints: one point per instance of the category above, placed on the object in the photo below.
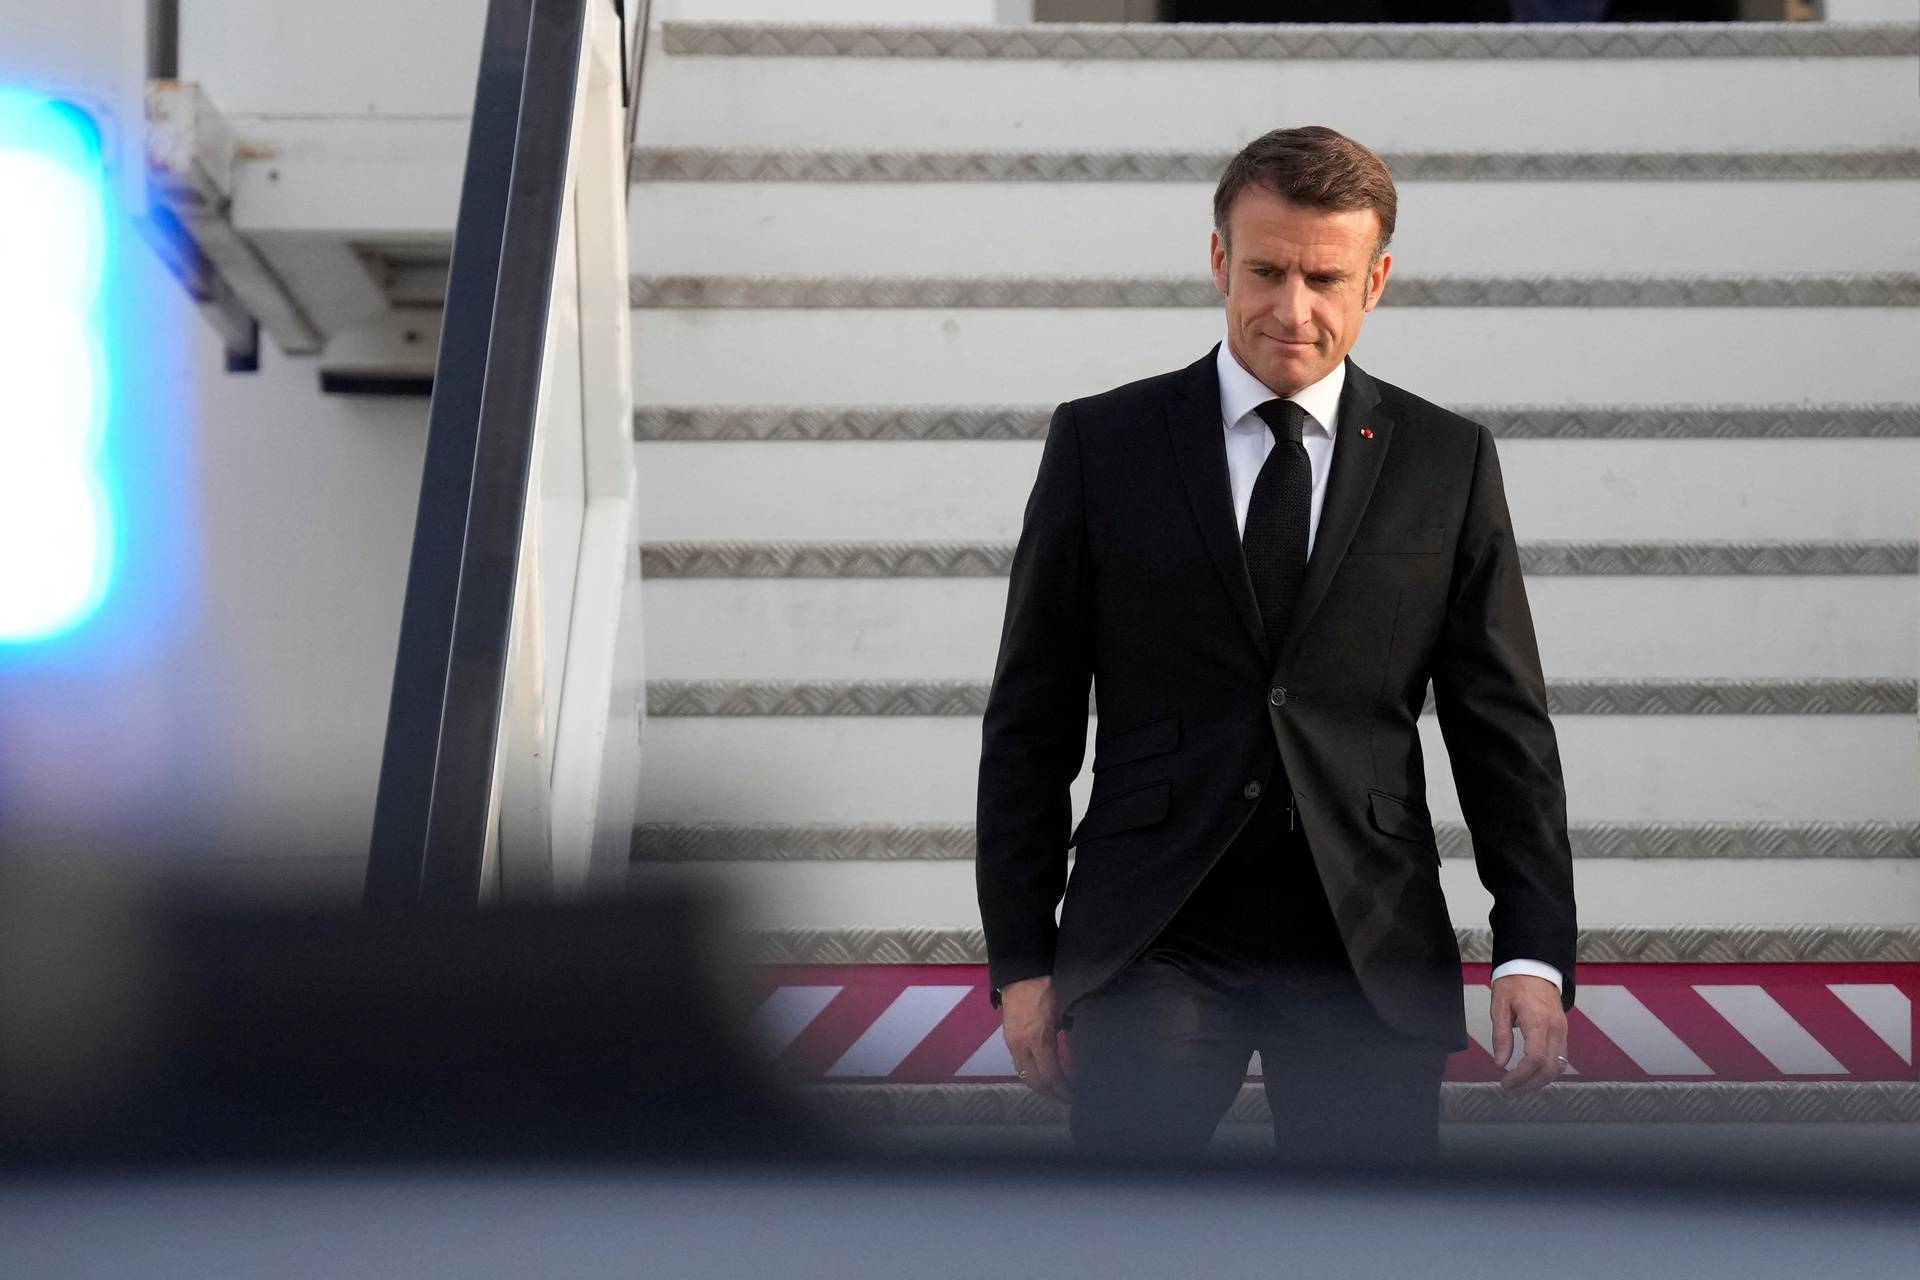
pixel 1675 269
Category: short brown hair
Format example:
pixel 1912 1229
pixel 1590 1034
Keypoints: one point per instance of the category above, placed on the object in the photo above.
pixel 1315 166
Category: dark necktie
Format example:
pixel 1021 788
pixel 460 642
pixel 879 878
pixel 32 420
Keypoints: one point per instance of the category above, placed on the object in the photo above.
pixel 1275 539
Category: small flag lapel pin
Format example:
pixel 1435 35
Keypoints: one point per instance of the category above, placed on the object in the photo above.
pixel 1367 432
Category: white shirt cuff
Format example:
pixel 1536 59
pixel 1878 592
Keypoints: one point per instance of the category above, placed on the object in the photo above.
pixel 1537 968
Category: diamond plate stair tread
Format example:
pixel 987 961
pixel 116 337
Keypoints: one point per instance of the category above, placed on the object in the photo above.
pixel 994 559
pixel 1539 422
pixel 1145 41
pixel 1810 290
pixel 1564 697
pixel 1564 1101
pixel 705 842
pixel 696 164
pixel 1620 944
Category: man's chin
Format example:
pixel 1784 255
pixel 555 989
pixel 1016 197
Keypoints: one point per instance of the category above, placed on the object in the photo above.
pixel 1290 370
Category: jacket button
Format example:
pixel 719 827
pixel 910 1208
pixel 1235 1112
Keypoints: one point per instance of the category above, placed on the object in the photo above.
pixel 1277 696
pixel 1252 790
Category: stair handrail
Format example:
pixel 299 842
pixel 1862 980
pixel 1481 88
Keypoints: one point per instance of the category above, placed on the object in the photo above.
pixel 439 777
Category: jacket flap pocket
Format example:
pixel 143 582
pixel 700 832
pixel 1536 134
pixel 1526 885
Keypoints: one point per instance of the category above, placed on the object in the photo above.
pixel 1134 808
pixel 1142 740
pixel 1421 540
pixel 1395 817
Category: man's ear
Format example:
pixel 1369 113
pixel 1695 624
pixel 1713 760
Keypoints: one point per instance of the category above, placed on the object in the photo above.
pixel 1217 259
pixel 1377 280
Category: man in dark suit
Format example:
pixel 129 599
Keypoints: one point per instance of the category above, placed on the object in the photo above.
pixel 1258 562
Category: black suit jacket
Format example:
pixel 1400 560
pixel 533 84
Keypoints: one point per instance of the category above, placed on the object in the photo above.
pixel 1128 575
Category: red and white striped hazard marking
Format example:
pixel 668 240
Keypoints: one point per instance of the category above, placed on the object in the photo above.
pixel 929 1024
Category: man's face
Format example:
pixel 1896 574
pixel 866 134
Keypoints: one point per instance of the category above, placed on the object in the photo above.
pixel 1297 285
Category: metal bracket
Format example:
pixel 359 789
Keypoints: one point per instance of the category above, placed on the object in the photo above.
pixel 246 212
pixel 191 155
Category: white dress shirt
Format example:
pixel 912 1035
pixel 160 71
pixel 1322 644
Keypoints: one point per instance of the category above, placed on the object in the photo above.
pixel 1248 443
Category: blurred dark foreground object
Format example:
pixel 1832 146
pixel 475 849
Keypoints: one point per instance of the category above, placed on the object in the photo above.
pixel 196 1090
pixel 140 1024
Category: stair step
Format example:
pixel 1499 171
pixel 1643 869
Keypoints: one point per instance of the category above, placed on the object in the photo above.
pixel 1726 624
pixel 1029 422
pixel 920 611
pixel 1451 355
pixel 1603 87
pixel 878 842
pixel 1691 491
pixel 1658 768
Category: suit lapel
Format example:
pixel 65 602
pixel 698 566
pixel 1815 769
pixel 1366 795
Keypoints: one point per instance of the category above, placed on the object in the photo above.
pixel 1199 445
pixel 1356 465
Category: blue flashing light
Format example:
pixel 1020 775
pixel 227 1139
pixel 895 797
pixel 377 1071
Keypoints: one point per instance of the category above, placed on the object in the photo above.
pixel 57 527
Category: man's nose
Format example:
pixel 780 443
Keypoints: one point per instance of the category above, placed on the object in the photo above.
pixel 1293 304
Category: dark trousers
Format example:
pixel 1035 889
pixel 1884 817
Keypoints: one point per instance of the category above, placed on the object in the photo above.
pixel 1252 961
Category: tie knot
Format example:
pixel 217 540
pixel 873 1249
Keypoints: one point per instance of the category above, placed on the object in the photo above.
pixel 1286 418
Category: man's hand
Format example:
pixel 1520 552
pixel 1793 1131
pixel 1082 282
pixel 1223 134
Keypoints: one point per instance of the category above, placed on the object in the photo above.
pixel 1027 1015
pixel 1532 1004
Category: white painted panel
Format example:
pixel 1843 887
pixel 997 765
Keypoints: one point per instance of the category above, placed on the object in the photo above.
pixel 1722 768
pixel 1704 891
pixel 933 628
pixel 1618 769
pixel 835 489
pixel 1451 355
pixel 560 502
pixel 1571 104
pixel 1118 228
pixel 1607 490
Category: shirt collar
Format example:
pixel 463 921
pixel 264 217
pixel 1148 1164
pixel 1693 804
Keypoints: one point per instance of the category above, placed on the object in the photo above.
pixel 1241 393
